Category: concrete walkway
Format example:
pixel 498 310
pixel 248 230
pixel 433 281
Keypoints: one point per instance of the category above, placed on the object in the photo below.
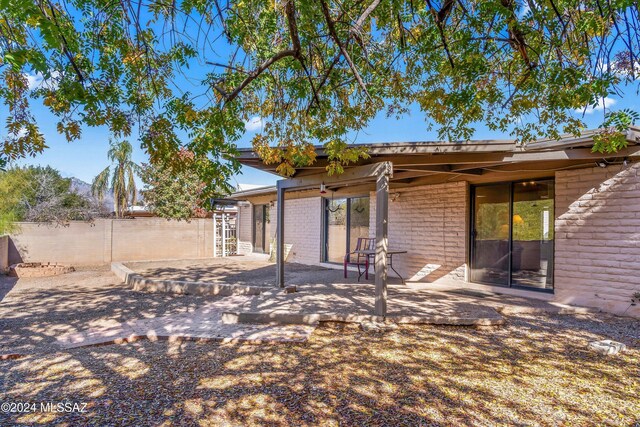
pixel 91 307
pixel 202 324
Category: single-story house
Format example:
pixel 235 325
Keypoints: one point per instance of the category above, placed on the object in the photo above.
pixel 550 219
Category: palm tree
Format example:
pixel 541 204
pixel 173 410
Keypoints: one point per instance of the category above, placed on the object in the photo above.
pixel 121 180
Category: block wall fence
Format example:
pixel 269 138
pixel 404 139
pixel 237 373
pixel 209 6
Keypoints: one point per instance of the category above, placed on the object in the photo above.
pixel 107 240
pixel 4 253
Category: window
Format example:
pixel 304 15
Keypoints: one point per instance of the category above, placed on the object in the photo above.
pixel 346 219
pixel 512 234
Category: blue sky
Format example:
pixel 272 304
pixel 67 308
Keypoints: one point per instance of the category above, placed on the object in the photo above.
pixel 85 158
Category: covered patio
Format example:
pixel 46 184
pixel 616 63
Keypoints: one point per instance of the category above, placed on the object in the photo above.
pixel 323 294
pixel 493 215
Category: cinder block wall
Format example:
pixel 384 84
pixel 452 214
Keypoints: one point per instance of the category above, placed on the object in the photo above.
pixel 302 229
pixel 107 240
pixel 245 228
pixel 4 253
pixel 429 222
pixel 302 225
pixel 597 249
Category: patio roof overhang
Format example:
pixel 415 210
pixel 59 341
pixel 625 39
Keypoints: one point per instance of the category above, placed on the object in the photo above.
pixel 420 163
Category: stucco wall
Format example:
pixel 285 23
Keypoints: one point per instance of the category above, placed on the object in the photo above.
pixel 107 240
pixel 597 253
pixel 4 253
pixel 430 223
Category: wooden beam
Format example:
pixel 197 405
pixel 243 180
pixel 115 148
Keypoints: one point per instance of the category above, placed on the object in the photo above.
pixel 467 169
pixel 382 222
pixel 351 175
pixel 398 176
pixel 280 235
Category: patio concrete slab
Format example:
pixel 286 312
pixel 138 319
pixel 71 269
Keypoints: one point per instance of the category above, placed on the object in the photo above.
pixel 141 283
pixel 354 303
pixel 323 294
pixel 203 324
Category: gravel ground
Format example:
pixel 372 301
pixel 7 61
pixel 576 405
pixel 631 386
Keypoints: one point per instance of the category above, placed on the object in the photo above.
pixel 36 310
pixel 536 370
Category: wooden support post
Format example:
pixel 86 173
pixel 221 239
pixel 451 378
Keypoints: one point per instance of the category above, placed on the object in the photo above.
pixel 382 220
pixel 280 235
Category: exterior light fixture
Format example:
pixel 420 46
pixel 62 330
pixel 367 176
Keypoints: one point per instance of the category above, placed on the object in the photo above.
pixel 323 189
pixel 602 163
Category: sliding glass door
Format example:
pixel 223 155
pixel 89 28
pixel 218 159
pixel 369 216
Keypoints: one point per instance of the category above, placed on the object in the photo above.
pixel 512 234
pixel 490 263
pixel 346 219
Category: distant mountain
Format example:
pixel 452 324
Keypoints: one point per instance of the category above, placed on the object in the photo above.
pixel 84 189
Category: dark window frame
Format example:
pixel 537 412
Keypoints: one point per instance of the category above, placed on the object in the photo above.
pixel 472 232
pixel 264 228
pixel 325 225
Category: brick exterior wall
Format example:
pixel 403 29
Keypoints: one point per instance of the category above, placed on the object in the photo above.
pixel 597 248
pixel 303 222
pixel 430 222
pixel 302 229
pixel 597 235
pixel 245 228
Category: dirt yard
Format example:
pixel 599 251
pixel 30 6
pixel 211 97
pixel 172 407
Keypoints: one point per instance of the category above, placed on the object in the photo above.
pixel 535 370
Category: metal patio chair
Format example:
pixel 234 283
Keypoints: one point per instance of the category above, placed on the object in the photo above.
pixel 357 257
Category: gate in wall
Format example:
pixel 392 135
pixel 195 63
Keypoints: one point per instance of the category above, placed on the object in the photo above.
pixel 225 240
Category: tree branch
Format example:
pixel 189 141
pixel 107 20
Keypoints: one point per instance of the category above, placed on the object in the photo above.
pixel 334 35
pixel 295 53
pixel 437 16
pixel 255 73
pixel 356 30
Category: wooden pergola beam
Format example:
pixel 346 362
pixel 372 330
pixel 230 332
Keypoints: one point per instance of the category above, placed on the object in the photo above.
pixel 381 173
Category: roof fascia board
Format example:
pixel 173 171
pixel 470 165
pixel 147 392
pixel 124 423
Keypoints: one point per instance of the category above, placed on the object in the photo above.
pixel 355 174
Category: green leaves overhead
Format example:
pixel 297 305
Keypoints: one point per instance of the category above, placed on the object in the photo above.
pixel 190 73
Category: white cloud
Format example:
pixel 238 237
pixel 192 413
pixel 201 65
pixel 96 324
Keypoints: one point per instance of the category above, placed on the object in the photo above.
pixel 34 80
pixel 37 80
pixel 253 124
pixel 602 104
